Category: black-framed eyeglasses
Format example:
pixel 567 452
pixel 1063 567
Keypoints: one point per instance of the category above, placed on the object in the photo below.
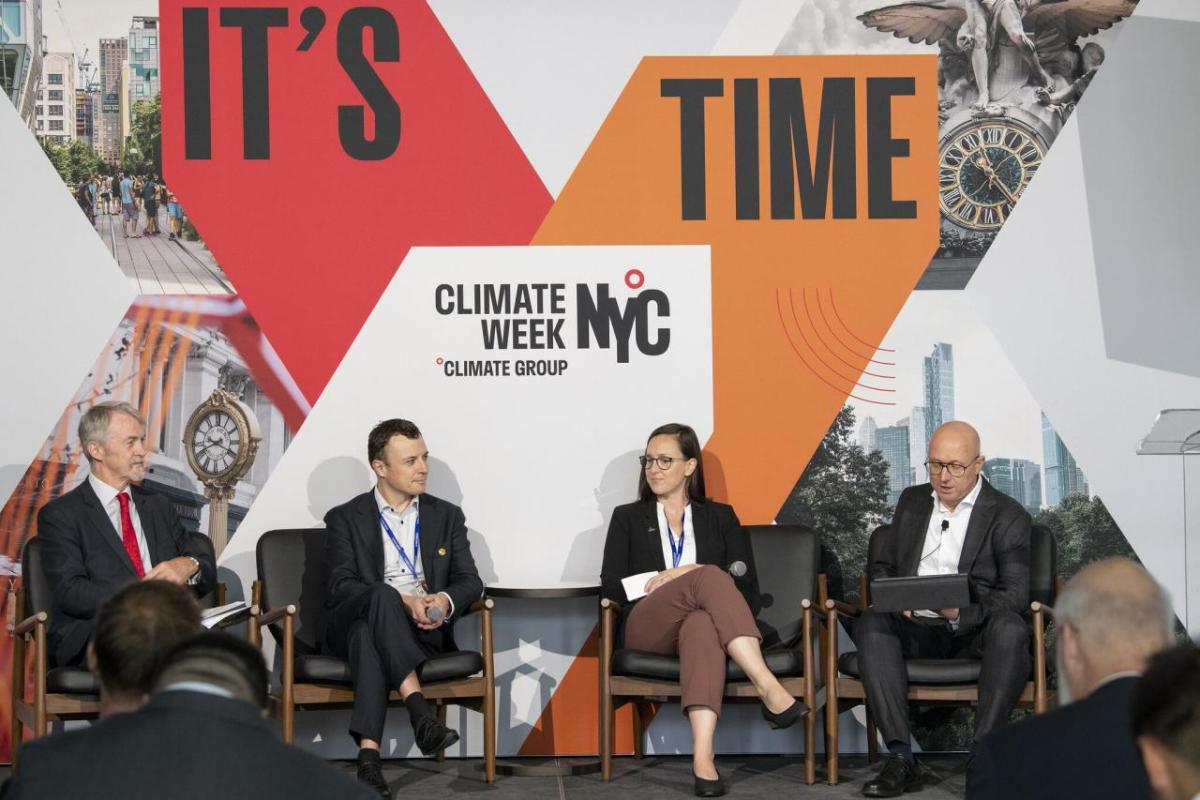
pixel 956 470
pixel 664 462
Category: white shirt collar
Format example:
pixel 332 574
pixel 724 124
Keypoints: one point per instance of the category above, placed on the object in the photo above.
pixel 966 502
pixel 384 505
pixel 105 493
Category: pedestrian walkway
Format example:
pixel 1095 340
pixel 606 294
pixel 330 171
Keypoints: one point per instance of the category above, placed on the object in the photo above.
pixel 160 265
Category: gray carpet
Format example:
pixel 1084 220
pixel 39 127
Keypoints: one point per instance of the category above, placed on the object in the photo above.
pixel 747 776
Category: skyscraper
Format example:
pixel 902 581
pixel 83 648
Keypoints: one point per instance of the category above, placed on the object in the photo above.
pixel 56 100
pixel 112 54
pixel 85 120
pixel 939 388
pixel 143 60
pixel 893 443
pixel 918 444
pixel 21 55
pixel 1018 478
pixel 868 435
pixel 1063 475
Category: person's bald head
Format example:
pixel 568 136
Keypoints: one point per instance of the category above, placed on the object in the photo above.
pixel 954 448
pixel 1111 617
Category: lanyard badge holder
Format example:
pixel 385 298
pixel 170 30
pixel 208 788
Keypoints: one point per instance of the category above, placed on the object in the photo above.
pixel 677 553
pixel 410 563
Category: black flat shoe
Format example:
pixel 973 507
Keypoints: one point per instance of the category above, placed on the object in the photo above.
pixel 896 778
pixel 786 718
pixel 370 774
pixel 432 736
pixel 709 788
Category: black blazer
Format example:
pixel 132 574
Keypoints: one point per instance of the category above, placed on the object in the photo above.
pixel 995 550
pixel 182 745
pixel 634 546
pixel 1085 749
pixel 354 552
pixel 86 563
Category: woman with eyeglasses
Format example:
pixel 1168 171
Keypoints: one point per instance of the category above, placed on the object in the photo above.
pixel 678 546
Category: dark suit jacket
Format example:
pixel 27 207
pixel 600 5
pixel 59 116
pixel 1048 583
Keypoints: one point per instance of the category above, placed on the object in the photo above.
pixel 354 553
pixel 1085 749
pixel 86 563
pixel 634 546
pixel 995 550
pixel 181 745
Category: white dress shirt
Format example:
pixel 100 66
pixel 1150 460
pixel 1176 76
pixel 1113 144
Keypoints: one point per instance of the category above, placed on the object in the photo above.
pixel 404 527
pixel 112 506
pixel 942 549
pixel 689 539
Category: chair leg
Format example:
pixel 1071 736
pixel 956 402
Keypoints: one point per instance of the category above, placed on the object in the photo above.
pixel 639 729
pixel 441 717
pixel 287 693
pixel 15 730
pixel 810 743
pixel 831 736
pixel 606 735
pixel 872 738
pixel 41 725
pixel 489 733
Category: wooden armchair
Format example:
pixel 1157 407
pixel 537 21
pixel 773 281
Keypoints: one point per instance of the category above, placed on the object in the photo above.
pixel 291 590
pixel 953 681
pixel 61 693
pixel 786 558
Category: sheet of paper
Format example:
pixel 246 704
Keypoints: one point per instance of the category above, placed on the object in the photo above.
pixel 635 585
pixel 211 617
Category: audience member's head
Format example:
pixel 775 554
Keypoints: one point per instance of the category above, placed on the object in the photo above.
pixel 1166 721
pixel 219 661
pixel 133 631
pixel 1111 617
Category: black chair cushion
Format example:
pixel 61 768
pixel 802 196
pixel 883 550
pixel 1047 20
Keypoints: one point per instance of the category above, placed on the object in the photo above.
pixel 640 664
pixel 924 670
pixel 71 680
pixel 445 667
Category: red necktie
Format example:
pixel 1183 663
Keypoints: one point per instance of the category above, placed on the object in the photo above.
pixel 128 537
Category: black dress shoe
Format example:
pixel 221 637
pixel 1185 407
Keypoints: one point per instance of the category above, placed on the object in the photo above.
pixel 709 788
pixel 897 777
pixel 370 774
pixel 432 736
pixel 786 718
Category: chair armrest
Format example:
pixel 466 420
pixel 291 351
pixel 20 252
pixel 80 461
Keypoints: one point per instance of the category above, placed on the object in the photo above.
pixel 26 626
pixel 1041 608
pixel 246 614
pixel 275 614
pixel 609 605
pixel 843 608
pixel 480 605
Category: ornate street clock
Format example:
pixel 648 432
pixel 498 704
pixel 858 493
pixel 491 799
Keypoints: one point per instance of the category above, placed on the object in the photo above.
pixel 221 440
pixel 984 165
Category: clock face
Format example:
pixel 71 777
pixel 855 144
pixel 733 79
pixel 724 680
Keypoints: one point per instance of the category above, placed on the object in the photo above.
pixel 983 168
pixel 216 442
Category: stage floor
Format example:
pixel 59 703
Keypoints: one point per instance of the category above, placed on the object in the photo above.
pixel 767 777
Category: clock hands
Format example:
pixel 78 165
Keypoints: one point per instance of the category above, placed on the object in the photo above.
pixel 985 164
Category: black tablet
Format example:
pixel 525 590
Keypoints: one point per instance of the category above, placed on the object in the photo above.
pixel 922 591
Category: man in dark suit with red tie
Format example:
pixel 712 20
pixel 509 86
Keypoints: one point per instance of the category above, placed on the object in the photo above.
pixel 108 532
pixel 956 523
pixel 400 574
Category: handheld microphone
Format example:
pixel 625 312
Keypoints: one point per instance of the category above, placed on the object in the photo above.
pixel 434 614
pixel 737 569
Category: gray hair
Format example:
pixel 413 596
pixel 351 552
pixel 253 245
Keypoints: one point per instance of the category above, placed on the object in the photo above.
pixel 93 425
pixel 1115 618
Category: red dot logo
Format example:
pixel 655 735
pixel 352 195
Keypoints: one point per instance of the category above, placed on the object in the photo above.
pixel 634 279
pixel 440 361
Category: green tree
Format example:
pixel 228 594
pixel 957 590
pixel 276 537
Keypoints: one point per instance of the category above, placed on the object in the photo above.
pixel 142 153
pixel 1084 532
pixel 842 495
pixel 74 161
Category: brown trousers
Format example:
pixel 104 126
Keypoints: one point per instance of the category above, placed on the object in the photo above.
pixel 694 617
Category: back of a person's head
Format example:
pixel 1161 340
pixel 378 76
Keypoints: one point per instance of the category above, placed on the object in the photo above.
pixel 217 660
pixel 1120 614
pixel 133 631
pixel 1166 721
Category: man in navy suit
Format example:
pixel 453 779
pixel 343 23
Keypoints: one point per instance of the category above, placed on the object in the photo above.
pixel 108 532
pixel 1111 618
pixel 400 574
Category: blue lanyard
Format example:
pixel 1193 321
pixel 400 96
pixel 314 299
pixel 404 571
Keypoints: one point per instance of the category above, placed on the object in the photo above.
pixel 676 553
pixel 416 547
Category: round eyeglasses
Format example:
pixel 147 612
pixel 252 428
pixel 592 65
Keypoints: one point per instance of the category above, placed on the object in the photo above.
pixel 664 462
pixel 956 470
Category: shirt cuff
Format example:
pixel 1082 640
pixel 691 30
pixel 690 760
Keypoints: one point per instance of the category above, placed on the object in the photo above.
pixel 195 576
pixel 954 623
pixel 449 600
